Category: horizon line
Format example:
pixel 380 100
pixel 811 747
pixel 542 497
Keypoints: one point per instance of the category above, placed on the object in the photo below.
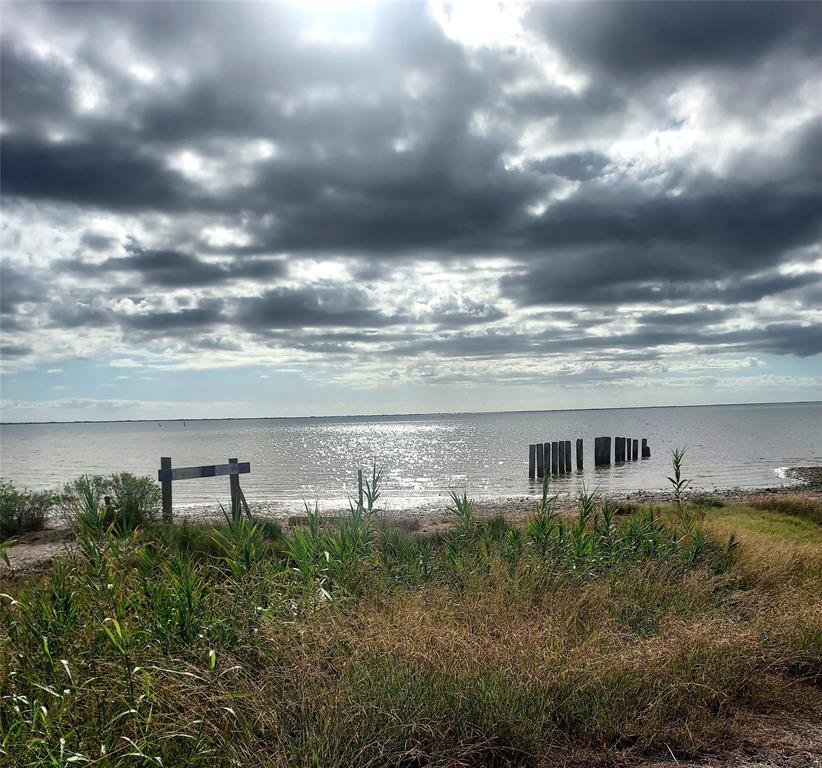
pixel 408 414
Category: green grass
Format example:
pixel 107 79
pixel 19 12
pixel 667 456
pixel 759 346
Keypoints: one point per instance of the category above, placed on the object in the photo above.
pixel 369 644
pixel 768 522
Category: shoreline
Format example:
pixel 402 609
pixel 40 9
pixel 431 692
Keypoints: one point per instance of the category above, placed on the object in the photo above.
pixel 803 481
pixel 36 550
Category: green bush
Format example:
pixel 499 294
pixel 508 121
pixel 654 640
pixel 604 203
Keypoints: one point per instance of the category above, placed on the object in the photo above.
pixel 23 510
pixel 134 500
pixel 121 500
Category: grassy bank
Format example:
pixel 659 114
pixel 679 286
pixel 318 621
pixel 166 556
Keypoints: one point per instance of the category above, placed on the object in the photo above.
pixel 360 644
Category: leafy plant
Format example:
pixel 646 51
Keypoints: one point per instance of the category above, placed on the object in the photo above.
pixel 23 510
pixel 122 500
pixel 677 481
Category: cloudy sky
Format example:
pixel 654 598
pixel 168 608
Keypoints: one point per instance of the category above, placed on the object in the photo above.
pixel 218 209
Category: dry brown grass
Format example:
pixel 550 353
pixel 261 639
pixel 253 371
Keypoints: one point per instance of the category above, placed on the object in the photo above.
pixel 494 658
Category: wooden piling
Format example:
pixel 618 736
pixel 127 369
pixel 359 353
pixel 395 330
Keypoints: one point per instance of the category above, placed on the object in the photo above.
pixel 579 454
pixel 532 458
pixel 606 451
pixel 635 450
pixel 597 450
pixel 554 458
pixel 234 486
pixel 540 461
pixel 546 450
pixel 165 463
pixel 646 452
pixel 561 462
pixel 567 457
pixel 619 449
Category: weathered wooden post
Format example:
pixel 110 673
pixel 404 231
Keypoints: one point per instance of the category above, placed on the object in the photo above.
pixel 606 450
pixel 532 458
pixel 617 450
pixel 567 457
pixel 540 460
pixel 646 451
pixel 561 445
pixel 165 484
pixel 234 486
pixel 579 454
pixel 597 450
pixel 635 450
pixel 546 461
pixel 554 457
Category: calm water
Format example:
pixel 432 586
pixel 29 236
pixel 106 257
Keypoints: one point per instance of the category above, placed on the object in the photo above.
pixel 423 456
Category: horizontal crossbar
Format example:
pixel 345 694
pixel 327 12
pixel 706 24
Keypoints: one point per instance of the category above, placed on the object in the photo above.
pixel 209 470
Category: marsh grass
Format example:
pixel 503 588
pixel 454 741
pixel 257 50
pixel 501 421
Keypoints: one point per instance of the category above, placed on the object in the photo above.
pixel 796 506
pixel 366 644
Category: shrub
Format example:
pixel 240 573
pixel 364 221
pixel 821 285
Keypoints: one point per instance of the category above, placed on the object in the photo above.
pixel 272 530
pixel 23 510
pixel 122 500
pixel 134 500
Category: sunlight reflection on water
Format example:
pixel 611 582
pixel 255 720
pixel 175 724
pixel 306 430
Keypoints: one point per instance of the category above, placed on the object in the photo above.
pixel 423 457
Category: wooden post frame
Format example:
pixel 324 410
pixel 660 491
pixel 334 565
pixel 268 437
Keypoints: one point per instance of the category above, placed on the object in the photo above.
pixel 532 461
pixel 165 484
pixel 579 454
pixel 166 475
pixel 540 461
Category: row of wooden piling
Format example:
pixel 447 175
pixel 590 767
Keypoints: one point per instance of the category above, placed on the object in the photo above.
pixel 554 458
pixel 625 449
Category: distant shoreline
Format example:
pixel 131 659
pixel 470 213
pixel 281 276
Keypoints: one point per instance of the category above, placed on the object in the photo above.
pixel 408 415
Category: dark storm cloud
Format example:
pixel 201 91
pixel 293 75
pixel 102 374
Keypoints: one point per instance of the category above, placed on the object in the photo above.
pixel 76 314
pixel 397 146
pixel 645 39
pixel 96 242
pixel 174 269
pixel 206 314
pixel 18 287
pixel 337 180
pixel 34 90
pixel 309 307
pixel 14 350
pixel 645 342
pixel 99 171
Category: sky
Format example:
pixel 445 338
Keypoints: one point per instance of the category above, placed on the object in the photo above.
pixel 269 209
